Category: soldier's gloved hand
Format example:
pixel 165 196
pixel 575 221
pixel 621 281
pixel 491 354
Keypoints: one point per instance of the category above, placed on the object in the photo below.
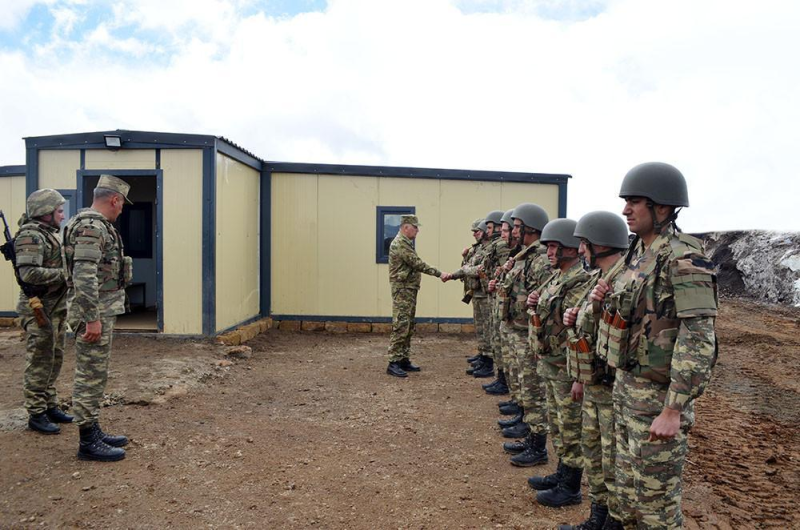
pixel 492 285
pixel 570 316
pixel 93 331
pixel 598 294
pixel 533 299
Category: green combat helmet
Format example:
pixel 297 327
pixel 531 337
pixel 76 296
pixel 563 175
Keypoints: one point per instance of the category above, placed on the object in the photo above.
pixel 605 229
pixel 476 225
pixel 561 231
pixel 531 215
pixel 44 202
pixel 482 226
pixel 495 216
pixel 657 181
pixel 507 217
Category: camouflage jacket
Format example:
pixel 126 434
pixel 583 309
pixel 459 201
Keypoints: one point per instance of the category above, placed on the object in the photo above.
pixel 666 302
pixel 40 261
pixel 98 267
pixel 501 278
pixel 548 332
pixel 405 267
pixel 496 255
pixel 471 271
pixel 531 269
pixel 587 362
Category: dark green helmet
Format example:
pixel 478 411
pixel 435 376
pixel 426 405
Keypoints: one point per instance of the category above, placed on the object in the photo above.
pixel 560 231
pixel 661 183
pixel 495 216
pixel 531 215
pixel 603 228
pixel 507 217
pixel 482 226
pixel 44 202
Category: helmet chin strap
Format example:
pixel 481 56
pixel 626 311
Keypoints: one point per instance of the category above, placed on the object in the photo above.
pixel 593 256
pixel 659 225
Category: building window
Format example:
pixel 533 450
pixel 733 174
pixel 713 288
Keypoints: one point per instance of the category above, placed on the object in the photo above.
pixel 70 206
pixel 387 227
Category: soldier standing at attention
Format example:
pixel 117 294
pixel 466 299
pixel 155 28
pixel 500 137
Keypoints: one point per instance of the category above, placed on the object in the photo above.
pixel 496 255
pixel 471 283
pixel 40 262
pixel 661 340
pixel 405 275
pixel 99 273
pixel 604 240
pixel 565 288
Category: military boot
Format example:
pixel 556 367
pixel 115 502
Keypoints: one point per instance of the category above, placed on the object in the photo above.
pixel 477 365
pixel 511 421
pixel 547 482
pixel 520 430
pixel 56 415
pixel 395 370
pixel 113 440
pixel 596 520
pixel 511 409
pixel 506 403
pixel 92 446
pixel 472 359
pixel 500 388
pixel 41 423
pixel 501 377
pixel 486 370
pixel 535 454
pixel 518 446
pixel 566 492
pixel 408 366
pixel 613 524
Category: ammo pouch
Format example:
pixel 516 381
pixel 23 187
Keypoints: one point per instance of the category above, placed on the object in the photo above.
pixel 613 333
pixel 579 358
pixel 519 313
pixel 535 335
pixel 127 270
pixel 467 298
pixel 505 308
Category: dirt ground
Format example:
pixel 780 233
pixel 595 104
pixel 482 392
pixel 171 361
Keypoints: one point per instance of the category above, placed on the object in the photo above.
pixel 310 433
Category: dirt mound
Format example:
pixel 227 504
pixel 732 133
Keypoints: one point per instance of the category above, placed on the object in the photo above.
pixel 758 265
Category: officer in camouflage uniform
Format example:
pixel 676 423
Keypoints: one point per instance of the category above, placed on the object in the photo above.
pixel 40 262
pixel 405 276
pixel 99 273
pixel 661 340
pixel 564 289
pixel 496 256
pixel 530 269
pixel 604 239
pixel 474 275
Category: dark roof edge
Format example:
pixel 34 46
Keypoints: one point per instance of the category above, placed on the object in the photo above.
pixel 411 172
pixel 12 171
pixel 156 139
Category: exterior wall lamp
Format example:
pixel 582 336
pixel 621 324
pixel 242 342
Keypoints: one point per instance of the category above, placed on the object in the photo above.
pixel 113 142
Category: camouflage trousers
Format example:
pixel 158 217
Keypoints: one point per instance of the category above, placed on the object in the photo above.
pixel 532 390
pixel 43 359
pixel 481 312
pixel 598 443
pixel 509 363
pixel 496 339
pixel 648 474
pixel 404 311
pixel 564 420
pixel 91 372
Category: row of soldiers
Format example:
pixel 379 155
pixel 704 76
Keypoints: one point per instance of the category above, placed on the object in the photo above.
pixel 78 281
pixel 602 342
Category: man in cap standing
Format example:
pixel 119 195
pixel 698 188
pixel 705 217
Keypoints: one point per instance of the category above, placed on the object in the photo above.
pixel 40 263
pixel 99 272
pixel 405 276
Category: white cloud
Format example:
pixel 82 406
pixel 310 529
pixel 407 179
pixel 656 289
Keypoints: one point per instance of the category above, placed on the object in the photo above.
pixel 707 86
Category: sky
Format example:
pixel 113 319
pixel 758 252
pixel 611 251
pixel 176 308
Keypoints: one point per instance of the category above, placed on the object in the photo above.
pixel 588 88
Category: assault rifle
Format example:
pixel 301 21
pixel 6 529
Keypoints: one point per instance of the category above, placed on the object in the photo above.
pixel 32 292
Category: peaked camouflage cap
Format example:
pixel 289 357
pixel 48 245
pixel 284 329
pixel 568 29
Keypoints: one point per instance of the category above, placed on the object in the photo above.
pixel 410 220
pixel 476 225
pixel 110 182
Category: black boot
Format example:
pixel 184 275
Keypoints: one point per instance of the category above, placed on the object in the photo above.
pixel 477 365
pixel 506 403
pixel 486 370
pixel 113 440
pixel 56 415
pixel 92 446
pixel 511 421
pixel 395 370
pixel 474 358
pixel 596 520
pixel 408 366
pixel 510 410
pixel 501 379
pixel 613 524
pixel 568 490
pixel 41 423
pixel 497 390
pixel 515 448
pixel 520 430
pixel 533 455
pixel 547 482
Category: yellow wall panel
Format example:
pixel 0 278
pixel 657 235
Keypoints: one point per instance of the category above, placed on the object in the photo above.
pixel 12 202
pixel 295 251
pixel 122 159
pixel 58 169
pixel 545 195
pixel 183 241
pixel 237 243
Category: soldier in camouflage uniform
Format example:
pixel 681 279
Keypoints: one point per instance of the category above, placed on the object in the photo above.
pixel 496 256
pixel 40 262
pixel 659 327
pixel 405 276
pixel 530 269
pixel 473 274
pixel 565 288
pixel 604 239
pixel 99 272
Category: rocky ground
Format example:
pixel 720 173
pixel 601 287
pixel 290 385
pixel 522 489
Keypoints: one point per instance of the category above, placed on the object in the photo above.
pixel 308 432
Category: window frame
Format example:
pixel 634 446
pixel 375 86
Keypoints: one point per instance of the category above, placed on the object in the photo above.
pixel 381 212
